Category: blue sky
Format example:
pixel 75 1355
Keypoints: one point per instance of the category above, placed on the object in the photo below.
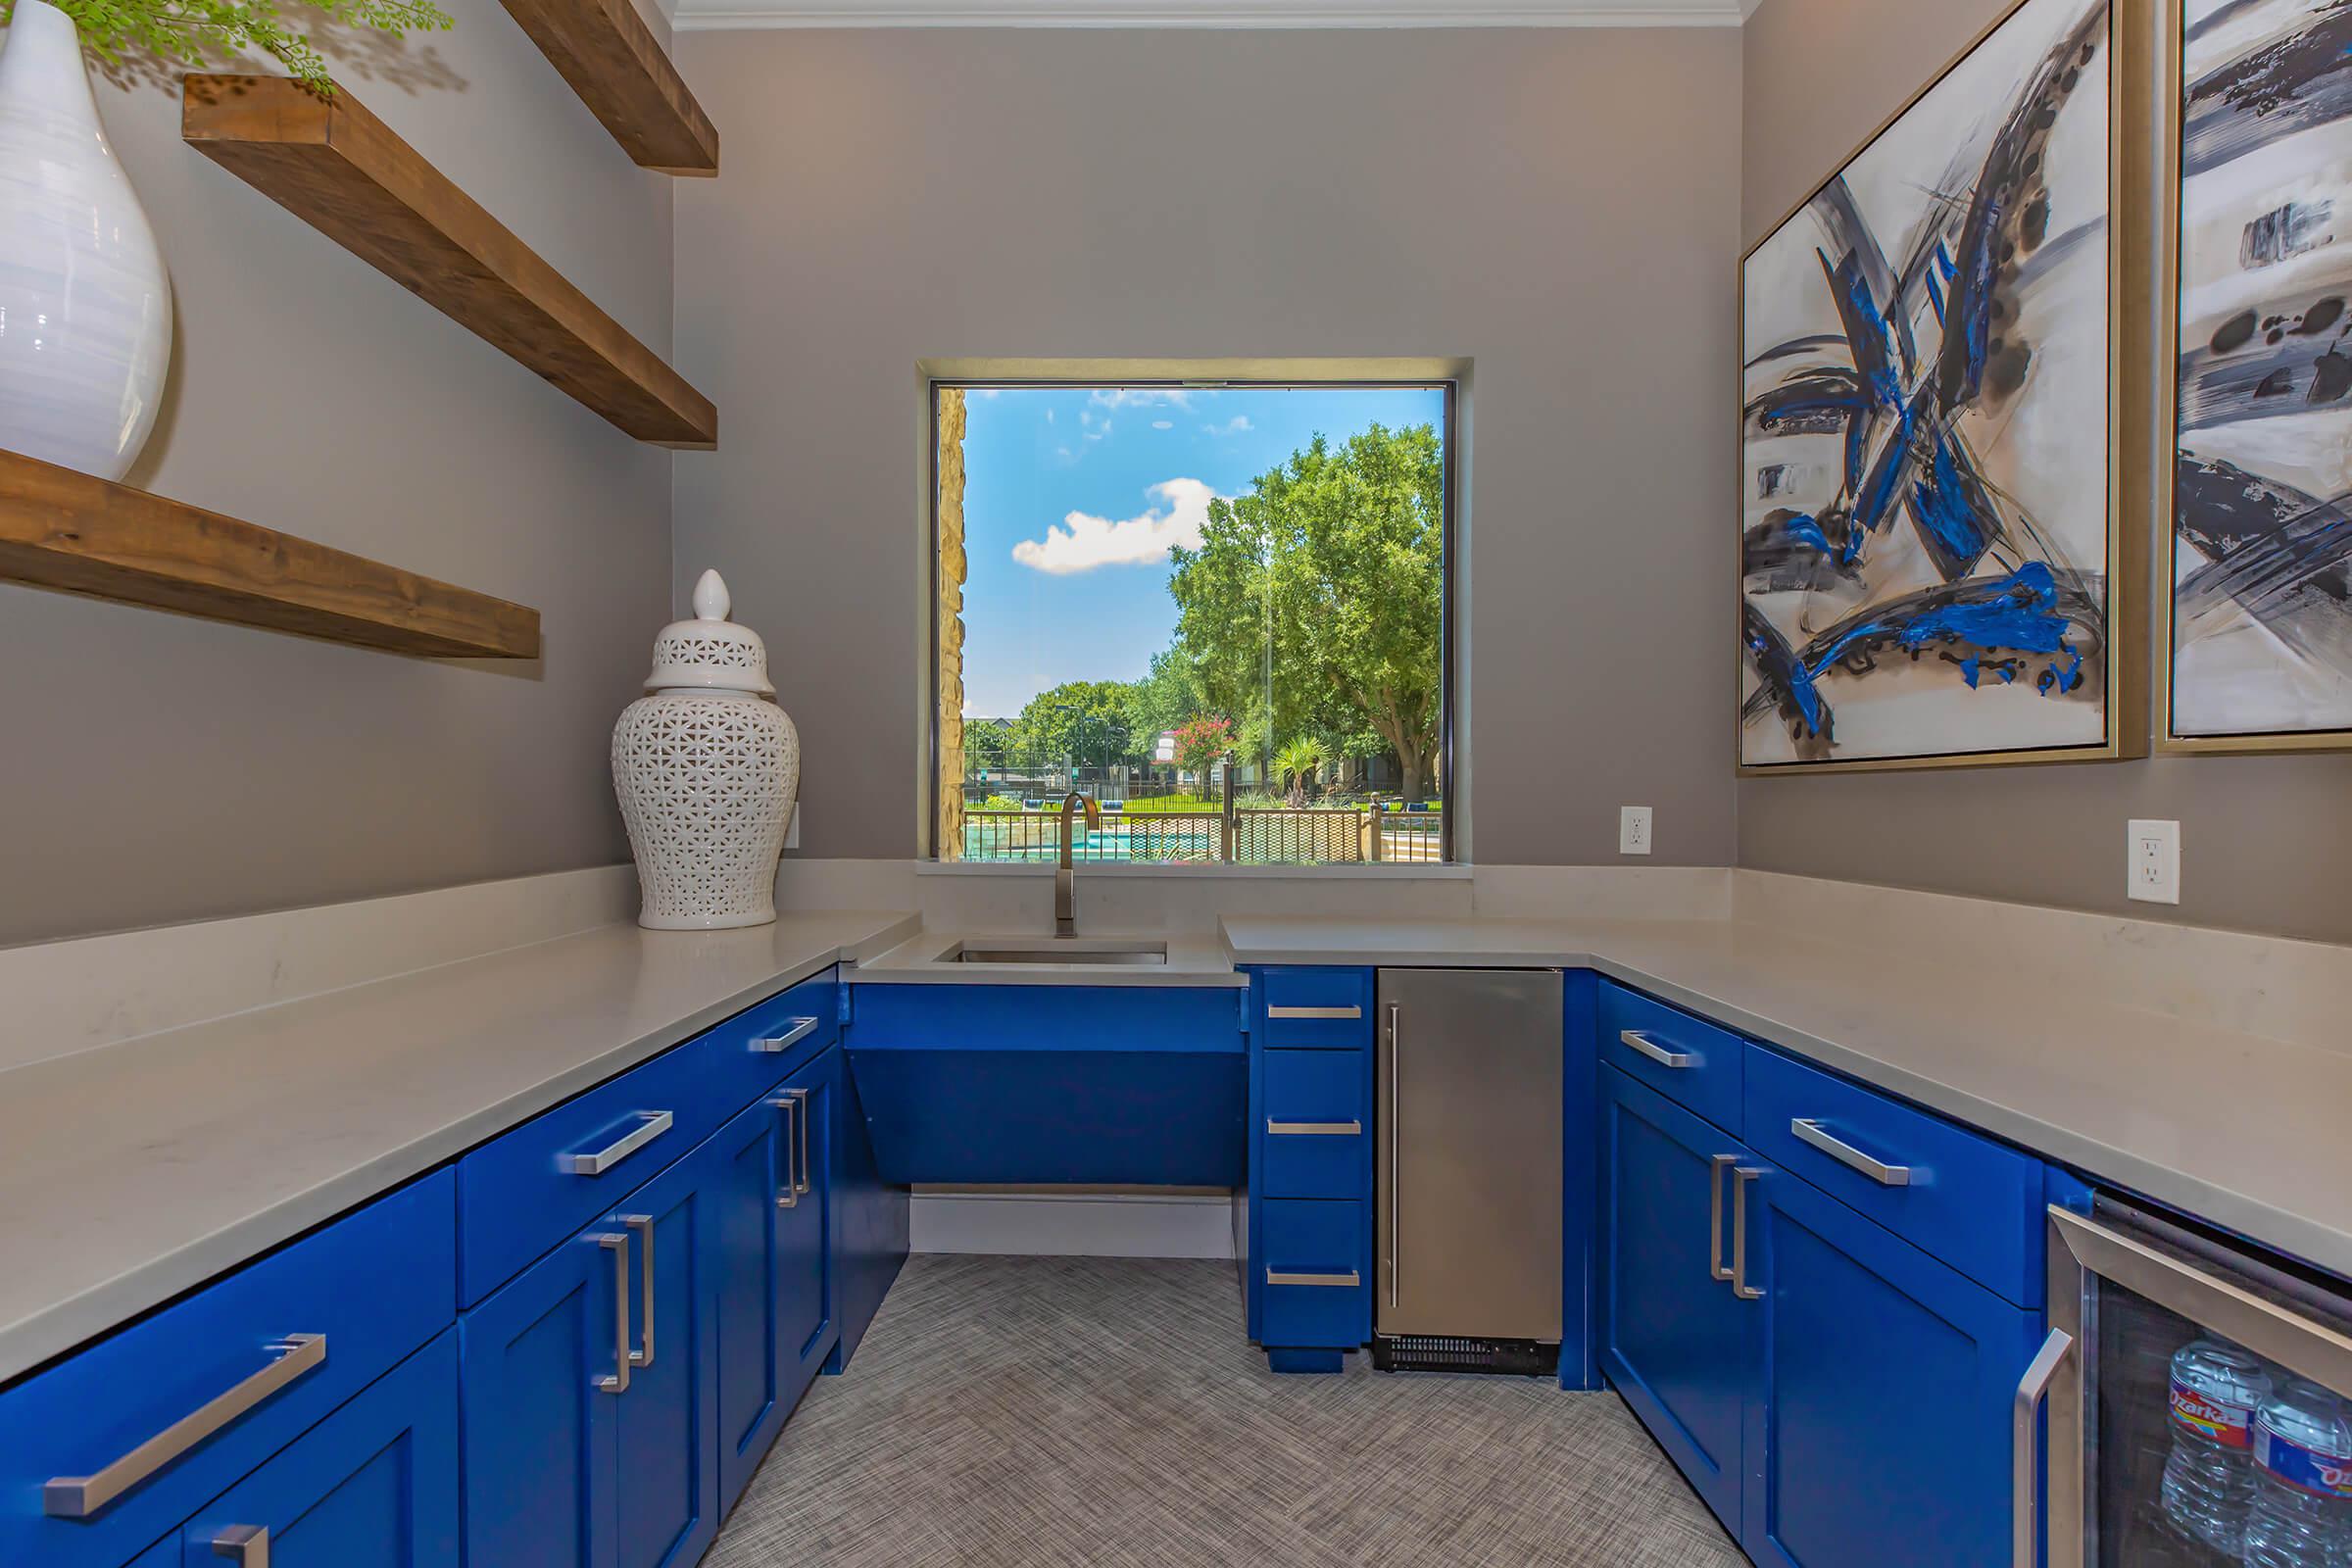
pixel 1071 497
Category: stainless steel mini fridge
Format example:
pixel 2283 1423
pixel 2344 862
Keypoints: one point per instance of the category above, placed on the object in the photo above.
pixel 2130 1291
pixel 1467 1199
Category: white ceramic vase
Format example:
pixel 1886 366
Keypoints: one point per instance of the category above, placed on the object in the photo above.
pixel 85 305
pixel 705 768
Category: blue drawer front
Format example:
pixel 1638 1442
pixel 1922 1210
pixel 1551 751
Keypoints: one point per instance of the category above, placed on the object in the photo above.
pixel 374 1486
pixel 1314 1267
pixel 1704 1060
pixel 1314 1139
pixel 744 1057
pixel 378 1284
pixel 1968 1201
pixel 1049 1084
pixel 1315 1009
pixel 516 1198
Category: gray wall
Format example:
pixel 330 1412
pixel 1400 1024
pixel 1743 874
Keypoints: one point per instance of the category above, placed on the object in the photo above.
pixel 157 768
pixel 1524 199
pixel 2265 842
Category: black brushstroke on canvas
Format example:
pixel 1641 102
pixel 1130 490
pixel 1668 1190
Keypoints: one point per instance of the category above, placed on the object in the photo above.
pixel 2292 83
pixel 2007 608
pixel 2293 352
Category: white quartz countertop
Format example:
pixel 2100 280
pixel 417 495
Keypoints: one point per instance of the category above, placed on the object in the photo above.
pixel 1194 958
pixel 132 1172
pixel 2244 1131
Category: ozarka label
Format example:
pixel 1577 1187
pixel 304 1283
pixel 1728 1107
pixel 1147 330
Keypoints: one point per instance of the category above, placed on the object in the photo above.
pixel 2226 1424
pixel 2312 1470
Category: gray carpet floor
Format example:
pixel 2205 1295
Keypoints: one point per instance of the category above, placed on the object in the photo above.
pixel 1049 1410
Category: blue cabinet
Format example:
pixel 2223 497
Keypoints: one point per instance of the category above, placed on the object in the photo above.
pixel 1675 1338
pixel 541 1361
pixel 590 1389
pixel 805 1327
pixel 665 1487
pixel 1879 1426
pixel 372 1486
pixel 754 1156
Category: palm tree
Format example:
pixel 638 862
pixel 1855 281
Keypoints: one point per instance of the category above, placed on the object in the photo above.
pixel 1295 764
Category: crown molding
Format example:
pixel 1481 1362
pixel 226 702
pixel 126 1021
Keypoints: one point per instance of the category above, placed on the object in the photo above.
pixel 707 16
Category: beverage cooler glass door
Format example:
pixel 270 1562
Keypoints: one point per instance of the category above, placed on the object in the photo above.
pixel 2199 1398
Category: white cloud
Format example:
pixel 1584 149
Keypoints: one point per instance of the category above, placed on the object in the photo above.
pixel 1233 426
pixel 1048 416
pixel 1082 542
pixel 1163 425
pixel 1139 397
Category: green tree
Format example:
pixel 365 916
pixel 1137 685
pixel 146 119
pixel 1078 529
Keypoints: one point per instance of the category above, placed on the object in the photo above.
pixel 1081 721
pixel 1295 766
pixel 987 744
pixel 1315 603
pixel 1164 699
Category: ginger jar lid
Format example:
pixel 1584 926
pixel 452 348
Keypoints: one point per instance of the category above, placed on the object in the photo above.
pixel 710 652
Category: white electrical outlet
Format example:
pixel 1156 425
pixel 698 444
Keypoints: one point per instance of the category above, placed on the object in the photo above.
pixel 791 828
pixel 1632 830
pixel 2155 861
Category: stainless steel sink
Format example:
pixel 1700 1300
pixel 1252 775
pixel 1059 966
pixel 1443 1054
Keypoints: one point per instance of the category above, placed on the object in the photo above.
pixel 1074 950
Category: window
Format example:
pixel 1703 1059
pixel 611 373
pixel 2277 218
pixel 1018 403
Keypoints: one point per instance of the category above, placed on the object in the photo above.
pixel 1220 612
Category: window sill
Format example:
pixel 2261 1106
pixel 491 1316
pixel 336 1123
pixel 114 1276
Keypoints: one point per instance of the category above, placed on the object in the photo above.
pixel 1390 871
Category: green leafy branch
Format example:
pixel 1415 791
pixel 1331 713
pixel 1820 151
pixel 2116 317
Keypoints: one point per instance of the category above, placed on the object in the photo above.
pixel 190 32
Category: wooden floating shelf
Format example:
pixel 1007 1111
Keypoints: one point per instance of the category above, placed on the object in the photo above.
pixel 340 169
pixel 84 535
pixel 612 58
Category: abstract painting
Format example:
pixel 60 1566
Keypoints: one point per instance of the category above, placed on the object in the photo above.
pixel 1928 540
pixel 2261 617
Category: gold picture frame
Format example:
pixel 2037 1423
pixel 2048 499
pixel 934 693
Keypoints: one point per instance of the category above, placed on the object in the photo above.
pixel 2131 413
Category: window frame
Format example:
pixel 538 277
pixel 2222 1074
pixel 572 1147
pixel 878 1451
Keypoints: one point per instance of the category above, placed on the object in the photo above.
pixel 1448 612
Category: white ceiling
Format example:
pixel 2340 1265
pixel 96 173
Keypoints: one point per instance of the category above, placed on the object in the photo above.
pixel 695 15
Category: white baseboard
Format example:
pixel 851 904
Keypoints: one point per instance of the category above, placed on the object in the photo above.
pixel 1082 1224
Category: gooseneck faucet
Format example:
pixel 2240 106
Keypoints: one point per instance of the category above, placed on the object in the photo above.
pixel 1066 916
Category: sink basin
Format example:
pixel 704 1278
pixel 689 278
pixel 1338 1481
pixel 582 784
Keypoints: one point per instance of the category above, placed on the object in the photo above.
pixel 1075 949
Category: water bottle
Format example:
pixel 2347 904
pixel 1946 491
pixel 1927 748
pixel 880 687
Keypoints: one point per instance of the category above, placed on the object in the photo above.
pixel 2302 1514
pixel 2209 1477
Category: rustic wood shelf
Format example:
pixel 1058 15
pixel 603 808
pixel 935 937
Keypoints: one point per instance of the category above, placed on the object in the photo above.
pixel 612 58
pixel 339 169
pixel 84 535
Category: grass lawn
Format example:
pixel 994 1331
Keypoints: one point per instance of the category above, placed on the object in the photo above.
pixel 1163 803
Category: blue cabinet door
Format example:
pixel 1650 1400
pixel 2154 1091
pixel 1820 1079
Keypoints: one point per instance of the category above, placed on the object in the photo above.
pixel 805 1327
pixel 372 1486
pixel 538 1361
pixel 1674 1339
pixel 753 1159
pixel 666 1482
pixel 1879 1430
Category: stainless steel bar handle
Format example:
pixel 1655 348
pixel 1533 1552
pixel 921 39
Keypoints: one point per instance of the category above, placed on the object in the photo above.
pixel 651 1124
pixel 1809 1131
pixel 1347 1281
pixel 82 1497
pixel 789 1038
pixel 1743 1177
pixel 1317 1012
pixel 800 1181
pixel 2025 1488
pixel 1313 1129
pixel 789 1195
pixel 246 1545
pixel 643 1225
pixel 1716 1267
pixel 618 1247
pixel 1396 1144
pixel 1657 1052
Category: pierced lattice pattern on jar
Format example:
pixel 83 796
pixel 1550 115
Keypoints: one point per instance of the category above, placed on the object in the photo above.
pixel 705 783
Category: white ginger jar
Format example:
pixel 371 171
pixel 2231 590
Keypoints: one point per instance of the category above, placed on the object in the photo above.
pixel 706 767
